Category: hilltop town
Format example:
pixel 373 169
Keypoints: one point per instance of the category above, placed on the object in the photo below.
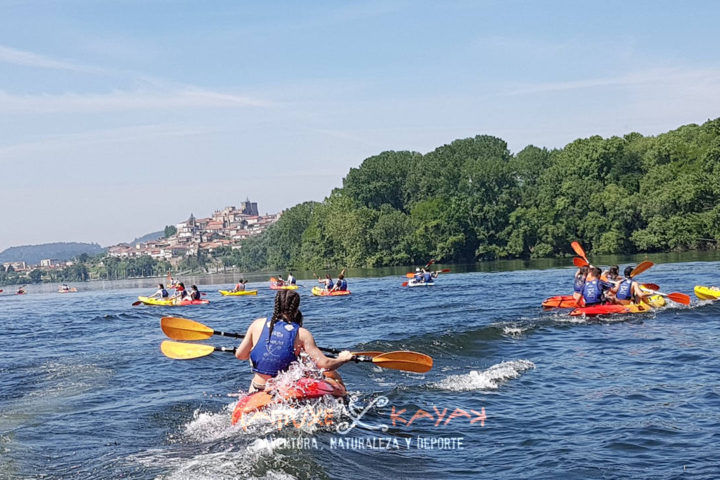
pixel 225 228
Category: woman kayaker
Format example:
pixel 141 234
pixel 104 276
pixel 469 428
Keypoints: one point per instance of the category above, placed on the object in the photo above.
pixel 194 293
pixel 327 281
pixel 273 343
pixel 180 293
pixel 161 292
pixel 628 290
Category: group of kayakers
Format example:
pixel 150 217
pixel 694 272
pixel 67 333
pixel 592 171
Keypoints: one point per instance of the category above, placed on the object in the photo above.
pixel 330 286
pixel 424 276
pixel 181 294
pixel 596 287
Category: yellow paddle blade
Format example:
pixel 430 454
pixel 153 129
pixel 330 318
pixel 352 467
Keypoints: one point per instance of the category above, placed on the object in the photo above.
pixel 407 361
pixel 642 266
pixel 184 329
pixel 185 351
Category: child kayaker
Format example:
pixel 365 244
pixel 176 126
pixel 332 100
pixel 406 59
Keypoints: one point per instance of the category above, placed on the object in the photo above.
pixel 180 293
pixel 291 279
pixel 194 293
pixel 240 286
pixel 341 283
pixel 289 339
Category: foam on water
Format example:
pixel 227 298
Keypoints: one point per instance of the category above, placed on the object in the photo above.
pixel 490 379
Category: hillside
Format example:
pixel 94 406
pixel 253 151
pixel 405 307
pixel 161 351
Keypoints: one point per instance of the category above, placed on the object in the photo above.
pixel 32 254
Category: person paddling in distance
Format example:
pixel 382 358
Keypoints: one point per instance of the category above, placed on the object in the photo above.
pixel 329 284
pixel 341 284
pixel 628 290
pixel 240 286
pixel 594 288
pixel 273 343
pixel 418 278
pixel 161 292
pixel 194 293
pixel 291 279
pixel 579 283
pixel 180 293
pixel 428 276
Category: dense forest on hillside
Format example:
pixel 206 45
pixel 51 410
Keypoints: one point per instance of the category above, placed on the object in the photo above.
pixel 32 254
pixel 473 200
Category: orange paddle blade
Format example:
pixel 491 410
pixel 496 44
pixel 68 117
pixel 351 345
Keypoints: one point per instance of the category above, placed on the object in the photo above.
pixel 679 298
pixel 642 266
pixel 185 329
pixel 185 351
pixel 580 262
pixel 407 361
pixel 579 250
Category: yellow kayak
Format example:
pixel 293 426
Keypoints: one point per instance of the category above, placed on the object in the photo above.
pixel 171 303
pixel 707 293
pixel 231 293
pixel 321 292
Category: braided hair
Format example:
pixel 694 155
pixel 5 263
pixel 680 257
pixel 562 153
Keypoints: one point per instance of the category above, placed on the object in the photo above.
pixel 287 303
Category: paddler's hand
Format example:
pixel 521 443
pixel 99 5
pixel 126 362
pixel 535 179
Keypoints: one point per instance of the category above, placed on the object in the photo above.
pixel 345 356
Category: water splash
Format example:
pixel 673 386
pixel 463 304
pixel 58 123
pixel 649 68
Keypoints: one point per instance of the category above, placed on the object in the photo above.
pixel 490 379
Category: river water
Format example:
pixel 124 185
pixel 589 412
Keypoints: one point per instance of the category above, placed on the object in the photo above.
pixel 515 392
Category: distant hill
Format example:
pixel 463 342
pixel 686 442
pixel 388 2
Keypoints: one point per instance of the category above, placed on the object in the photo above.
pixel 32 254
pixel 149 237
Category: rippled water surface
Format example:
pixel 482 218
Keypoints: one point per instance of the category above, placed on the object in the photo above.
pixel 86 393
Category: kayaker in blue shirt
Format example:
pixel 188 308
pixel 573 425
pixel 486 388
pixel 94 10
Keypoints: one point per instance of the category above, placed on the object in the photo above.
pixel 194 293
pixel 427 276
pixel 628 290
pixel 418 278
pixel 579 283
pixel 594 288
pixel 341 283
pixel 273 343
pixel 161 292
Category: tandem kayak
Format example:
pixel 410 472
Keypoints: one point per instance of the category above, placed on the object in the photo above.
pixel 275 286
pixel 304 389
pixel 231 293
pixel 560 301
pixel 654 301
pixel 707 293
pixel 321 292
pixel 171 303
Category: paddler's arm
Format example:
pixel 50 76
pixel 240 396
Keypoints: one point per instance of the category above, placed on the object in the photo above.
pixel 243 350
pixel 307 343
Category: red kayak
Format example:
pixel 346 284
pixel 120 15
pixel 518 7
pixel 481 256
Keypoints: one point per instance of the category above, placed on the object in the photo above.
pixel 655 301
pixel 560 301
pixel 304 389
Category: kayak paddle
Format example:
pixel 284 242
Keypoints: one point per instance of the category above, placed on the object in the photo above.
pixel 579 262
pixel 676 297
pixel 185 329
pixel 401 360
pixel 642 266
pixel 579 250
pixel 444 270
pixel 650 286
pixel 136 303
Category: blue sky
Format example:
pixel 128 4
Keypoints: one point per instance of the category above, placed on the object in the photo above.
pixel 120 117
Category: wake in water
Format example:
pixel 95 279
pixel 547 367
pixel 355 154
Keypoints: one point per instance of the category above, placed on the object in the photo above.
pixel 491 379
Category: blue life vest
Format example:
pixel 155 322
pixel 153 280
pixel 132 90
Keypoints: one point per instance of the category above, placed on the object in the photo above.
pixel 270 356
pixel 164 293
pixel 593 292
pixel 625 290
pixel 579 284
pixel 330 285
pixel 343 285
pixel 418 277
pixel 427 277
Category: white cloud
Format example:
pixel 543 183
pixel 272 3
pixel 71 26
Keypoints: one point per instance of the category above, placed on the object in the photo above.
pixel 29 59
pixel 186 97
